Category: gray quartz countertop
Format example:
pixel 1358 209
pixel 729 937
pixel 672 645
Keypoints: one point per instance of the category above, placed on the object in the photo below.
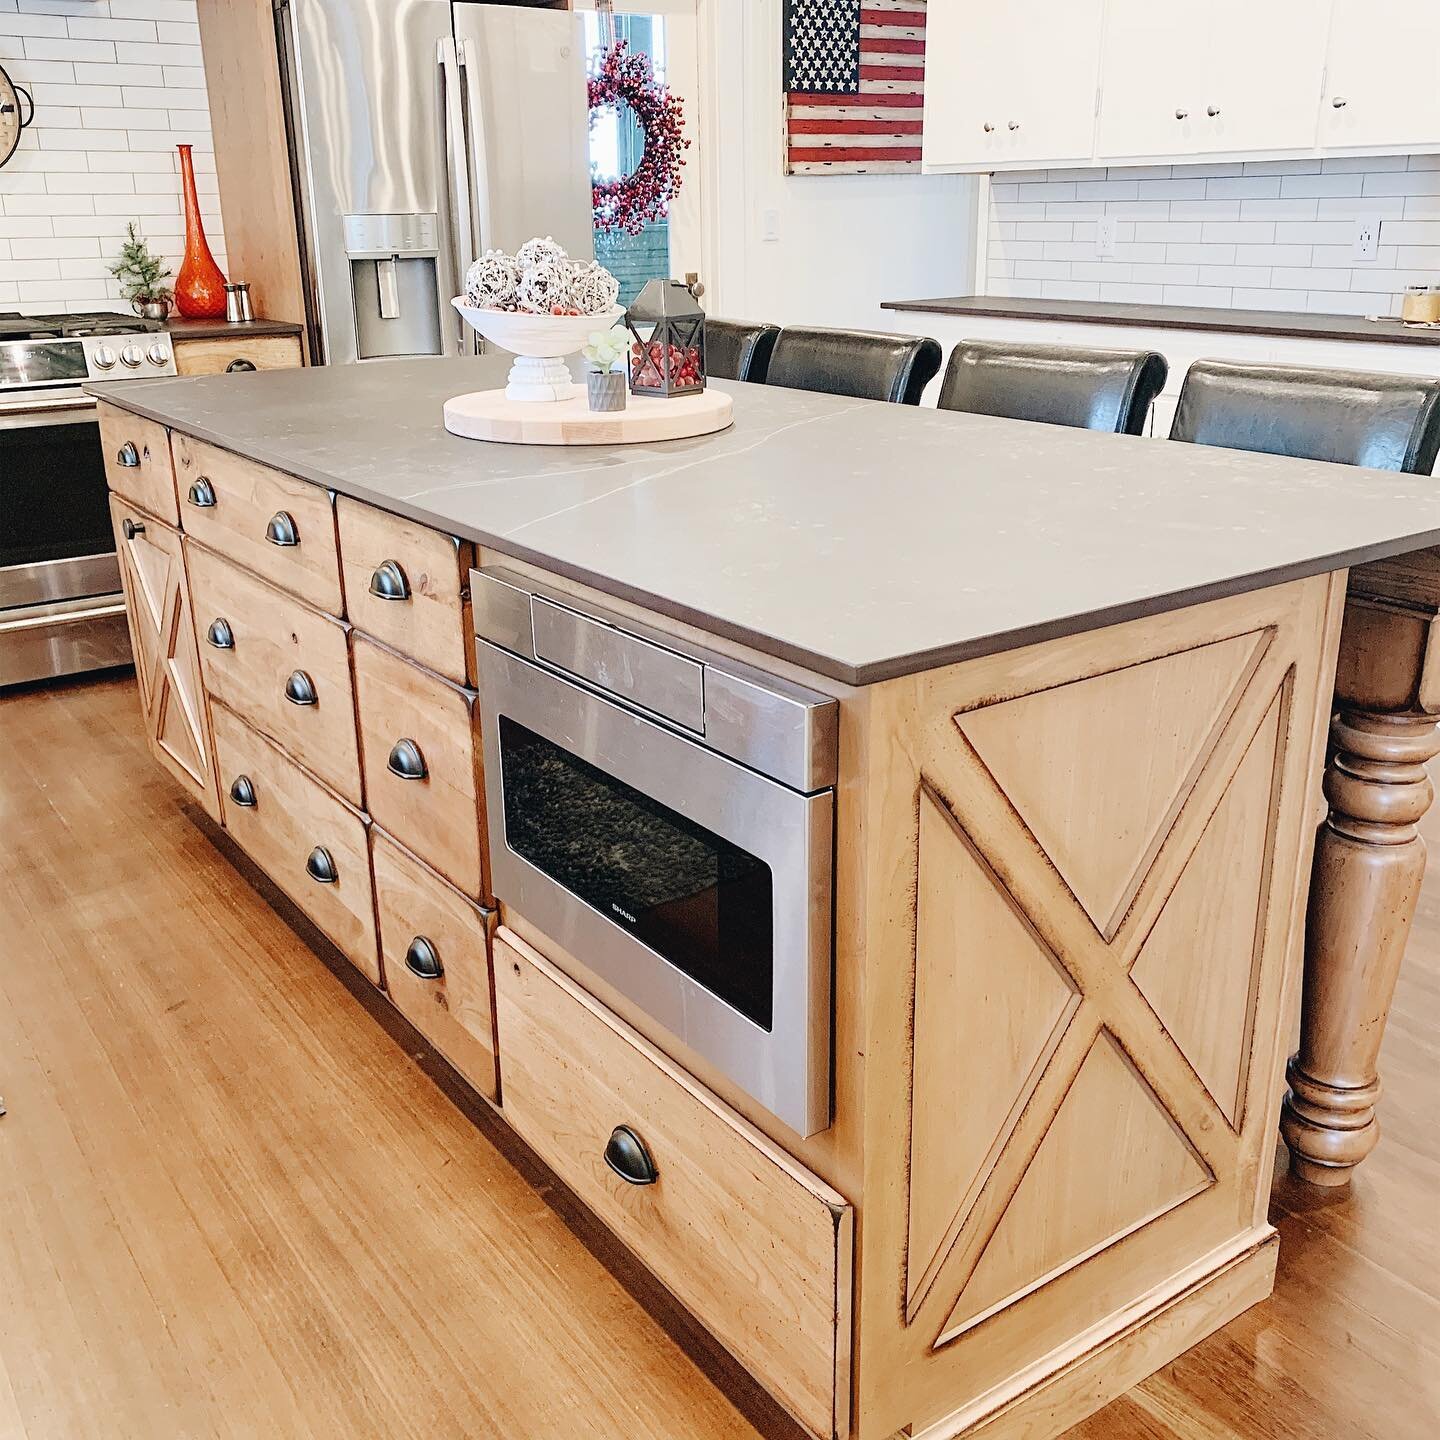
pixel 858 539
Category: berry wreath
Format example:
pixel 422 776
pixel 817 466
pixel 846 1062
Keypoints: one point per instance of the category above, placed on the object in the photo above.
pixel 627 204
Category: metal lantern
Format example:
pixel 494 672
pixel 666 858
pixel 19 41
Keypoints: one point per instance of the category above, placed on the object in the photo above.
pixel 667 333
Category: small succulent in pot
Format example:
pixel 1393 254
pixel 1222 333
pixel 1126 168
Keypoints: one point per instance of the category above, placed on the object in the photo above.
pixel 606 384
pixel 142 277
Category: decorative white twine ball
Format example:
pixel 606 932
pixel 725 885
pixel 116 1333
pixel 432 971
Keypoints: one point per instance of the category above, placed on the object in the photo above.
pixel 540 251
pixel 492 281
pixel 543 286
pixel 593 289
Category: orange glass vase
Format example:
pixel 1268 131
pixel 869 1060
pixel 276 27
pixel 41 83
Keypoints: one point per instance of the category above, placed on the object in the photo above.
pixel 199 287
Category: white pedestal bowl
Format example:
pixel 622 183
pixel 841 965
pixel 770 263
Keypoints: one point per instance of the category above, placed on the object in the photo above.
pixel 540 344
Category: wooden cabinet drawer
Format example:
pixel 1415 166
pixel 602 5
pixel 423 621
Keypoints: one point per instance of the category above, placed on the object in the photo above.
pixel 225 354
pixel 280 527
pixel 409 586
pixel 420 747
pixel 426 926
pixel 281 665
pixel 137 461
pixel 162 639
pixel 757 1247
pixel 311 844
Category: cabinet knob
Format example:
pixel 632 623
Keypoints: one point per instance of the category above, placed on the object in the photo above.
pixel 1212 111
pixel 220 635
pixel 128 456
pixel 1182 114
pixel 1013 125
pixel 281 529
pixel 131 528
pixel 1339 102
pixel 242 792
pixel 389 582
pixel 406 761
pixel 300 689
pixel 320 866
pixel 627 1156
pixel 422 960
pixel 237 365
pixel 202 494
pixel 989 128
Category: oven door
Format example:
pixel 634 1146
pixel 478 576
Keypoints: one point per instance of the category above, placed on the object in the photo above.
pixel 700 889
pixel 61 608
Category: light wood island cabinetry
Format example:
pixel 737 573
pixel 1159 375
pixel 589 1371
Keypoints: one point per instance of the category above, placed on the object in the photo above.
pixel 1070 879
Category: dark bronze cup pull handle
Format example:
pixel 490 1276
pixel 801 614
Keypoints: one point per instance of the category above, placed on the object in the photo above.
pixel 281 529
pixel 202 494
pixel 237 365
pixel 300 689
pixel 321 866
pixel 627 1156
pixel 421 959
pixel 131 528
pixel 389 582
pixel 127 455
pixel 242 792
pixel 406 761
pixel 220 635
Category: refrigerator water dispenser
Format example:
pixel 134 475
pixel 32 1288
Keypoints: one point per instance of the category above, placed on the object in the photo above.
pixel 394 283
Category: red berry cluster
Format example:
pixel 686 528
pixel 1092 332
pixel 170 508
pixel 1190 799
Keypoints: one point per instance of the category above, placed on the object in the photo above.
pixel 647 365
pixel 565 310
pixel 628 204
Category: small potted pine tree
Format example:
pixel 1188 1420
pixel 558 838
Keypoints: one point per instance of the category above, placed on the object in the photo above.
pixel 142 276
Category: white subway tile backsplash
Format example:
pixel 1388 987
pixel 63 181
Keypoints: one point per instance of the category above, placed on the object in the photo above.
pixel 1268 234
pixel 117 83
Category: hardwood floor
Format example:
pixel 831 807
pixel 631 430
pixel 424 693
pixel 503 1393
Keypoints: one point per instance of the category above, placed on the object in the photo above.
pixel 232 1205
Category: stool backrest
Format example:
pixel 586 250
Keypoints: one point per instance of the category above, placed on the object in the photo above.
pixel 1055 384
pixel 863 363
pixel 1353 417
pixel 738 349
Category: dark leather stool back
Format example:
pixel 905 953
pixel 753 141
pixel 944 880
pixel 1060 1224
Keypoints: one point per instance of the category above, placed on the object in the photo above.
pixel 738 349
pixel 862 363
pixel 1055 384
pixel 1389 422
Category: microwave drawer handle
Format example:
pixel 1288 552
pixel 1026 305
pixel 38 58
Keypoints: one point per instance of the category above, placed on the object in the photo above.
pixel 628 1157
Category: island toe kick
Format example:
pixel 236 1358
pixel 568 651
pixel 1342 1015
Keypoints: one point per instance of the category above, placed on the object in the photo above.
pixel 1069 883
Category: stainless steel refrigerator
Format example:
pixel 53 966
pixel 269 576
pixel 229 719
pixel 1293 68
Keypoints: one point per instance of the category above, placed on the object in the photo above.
pixel 425 132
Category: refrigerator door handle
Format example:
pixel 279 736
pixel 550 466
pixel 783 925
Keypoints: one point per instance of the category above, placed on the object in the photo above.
pixel 457 172
pixel 479 152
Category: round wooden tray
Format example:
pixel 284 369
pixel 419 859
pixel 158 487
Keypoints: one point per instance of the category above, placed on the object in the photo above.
pixel 488 415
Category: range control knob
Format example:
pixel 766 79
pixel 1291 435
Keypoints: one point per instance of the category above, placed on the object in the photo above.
pixel 104 357
pixel 158 354
pixel 131 356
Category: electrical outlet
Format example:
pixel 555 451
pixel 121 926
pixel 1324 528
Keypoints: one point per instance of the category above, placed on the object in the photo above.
pixel 1105 237
pixel 769 224
pixel 1365 244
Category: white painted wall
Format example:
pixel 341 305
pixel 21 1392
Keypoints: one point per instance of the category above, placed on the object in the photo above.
pixel 117 85
pixel 846 242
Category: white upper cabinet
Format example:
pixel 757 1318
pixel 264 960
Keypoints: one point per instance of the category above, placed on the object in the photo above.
pixel 1011 82
pixel 1223 77
pixel 1382 76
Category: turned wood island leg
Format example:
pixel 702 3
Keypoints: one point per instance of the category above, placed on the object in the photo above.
pixel 1369 863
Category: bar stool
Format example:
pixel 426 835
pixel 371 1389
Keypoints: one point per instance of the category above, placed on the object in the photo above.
pixel 1055 384
pixel 865 364
pixel 738 349
pixel 1352 417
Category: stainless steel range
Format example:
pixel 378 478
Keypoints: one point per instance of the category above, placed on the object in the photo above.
pixel 61 610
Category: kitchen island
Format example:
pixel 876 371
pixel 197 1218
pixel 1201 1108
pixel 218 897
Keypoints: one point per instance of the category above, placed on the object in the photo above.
pixel 1083 684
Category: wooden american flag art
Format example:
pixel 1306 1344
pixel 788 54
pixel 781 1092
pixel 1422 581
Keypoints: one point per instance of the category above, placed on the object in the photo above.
pixel 854 86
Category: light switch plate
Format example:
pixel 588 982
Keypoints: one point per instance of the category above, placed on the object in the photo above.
pixel 1105 237
pixel 1366 242
pixel 769 224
